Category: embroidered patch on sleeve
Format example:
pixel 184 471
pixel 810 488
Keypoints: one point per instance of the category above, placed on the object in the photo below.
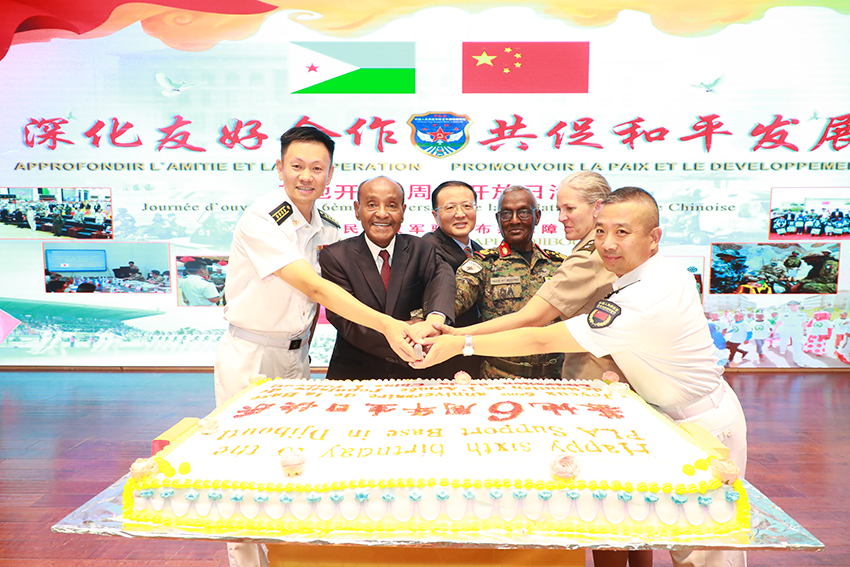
pixel 603 314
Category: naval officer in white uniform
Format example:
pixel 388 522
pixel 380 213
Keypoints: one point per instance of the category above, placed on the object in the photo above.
pixel 273 286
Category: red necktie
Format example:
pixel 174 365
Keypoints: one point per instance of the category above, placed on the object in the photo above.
pixel 468 251
pixel 385 268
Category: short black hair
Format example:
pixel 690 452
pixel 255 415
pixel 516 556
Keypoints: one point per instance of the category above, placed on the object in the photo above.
pixel 635 195
pixel 306 134
pixel 86 287
pixel 445 184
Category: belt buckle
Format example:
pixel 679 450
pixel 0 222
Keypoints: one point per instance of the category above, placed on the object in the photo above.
pixel 295 345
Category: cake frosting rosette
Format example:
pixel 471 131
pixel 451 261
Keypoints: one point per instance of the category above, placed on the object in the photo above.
pixel 724 469
pixel 257 378
pixel 610 376
pixel 564 466
pixel 462 378
pixel 144 467
pixel 207 426
pixel 292 463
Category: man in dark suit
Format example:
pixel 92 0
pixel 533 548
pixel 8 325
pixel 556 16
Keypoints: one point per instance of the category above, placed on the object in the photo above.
pixel 454 205
pixel 390 272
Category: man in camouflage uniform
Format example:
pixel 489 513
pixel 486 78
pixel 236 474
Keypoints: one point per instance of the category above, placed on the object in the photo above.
pixel 501 280
pixel 728 271
pixel 823 277
pixel 792 263
pixel 775 275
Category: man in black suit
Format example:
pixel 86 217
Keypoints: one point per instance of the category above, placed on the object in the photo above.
pixel 390 272
pixel 454 205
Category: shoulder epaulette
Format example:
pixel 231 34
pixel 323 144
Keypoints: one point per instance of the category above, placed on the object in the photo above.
pixel 327 218
pixel 281 212
pixel 488 254
pixel 554 255
pixel 590 246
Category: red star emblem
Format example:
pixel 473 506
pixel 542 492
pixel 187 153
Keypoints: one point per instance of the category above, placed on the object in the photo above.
pixel 439 135
pixel 312 68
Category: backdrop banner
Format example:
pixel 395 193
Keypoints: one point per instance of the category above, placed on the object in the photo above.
pixel 134 135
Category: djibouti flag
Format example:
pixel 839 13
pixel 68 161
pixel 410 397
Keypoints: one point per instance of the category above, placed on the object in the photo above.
pixel 351 67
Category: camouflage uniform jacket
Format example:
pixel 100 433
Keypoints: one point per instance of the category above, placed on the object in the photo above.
pixel 500 281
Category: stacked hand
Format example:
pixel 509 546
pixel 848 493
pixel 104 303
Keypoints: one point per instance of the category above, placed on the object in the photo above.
pixel 424 343
pixel 441 344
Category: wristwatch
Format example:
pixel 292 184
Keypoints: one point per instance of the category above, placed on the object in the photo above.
pixel 467 346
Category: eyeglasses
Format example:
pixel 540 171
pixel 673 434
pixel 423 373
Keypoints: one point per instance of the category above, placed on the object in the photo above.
pixel 452 208
pixel 522 214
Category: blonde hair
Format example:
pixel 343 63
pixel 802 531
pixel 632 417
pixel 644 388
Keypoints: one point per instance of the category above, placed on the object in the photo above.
pixel 590 186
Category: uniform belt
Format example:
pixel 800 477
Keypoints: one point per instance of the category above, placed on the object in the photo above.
pixel 264 339
pixel 701 405
pixel 527 369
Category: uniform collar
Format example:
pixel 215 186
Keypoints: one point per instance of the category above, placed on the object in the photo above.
pixel 537 252
pixel 640 272
pixel 583 242
pixel 297 219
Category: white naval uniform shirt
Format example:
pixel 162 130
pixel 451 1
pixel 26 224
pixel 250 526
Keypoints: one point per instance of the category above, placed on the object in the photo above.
pixel 791 323
pixel 258 300
pixel 660 339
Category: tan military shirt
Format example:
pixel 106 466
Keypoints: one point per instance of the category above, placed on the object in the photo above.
pixel 574 289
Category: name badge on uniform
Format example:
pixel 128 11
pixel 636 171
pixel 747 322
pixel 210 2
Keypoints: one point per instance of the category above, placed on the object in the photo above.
pixel 603 314
pixel 505 280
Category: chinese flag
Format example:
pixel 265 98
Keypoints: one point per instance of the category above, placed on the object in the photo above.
pixel 525 67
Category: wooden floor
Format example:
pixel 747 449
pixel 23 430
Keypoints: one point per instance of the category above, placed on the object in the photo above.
pixel 64 437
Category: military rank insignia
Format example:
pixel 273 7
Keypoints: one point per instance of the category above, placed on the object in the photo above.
pixel 590 246
pixel 281 212
pixel 603 314
pixel 328 218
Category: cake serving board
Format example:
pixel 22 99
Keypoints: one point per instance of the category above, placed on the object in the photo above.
pixel 771 529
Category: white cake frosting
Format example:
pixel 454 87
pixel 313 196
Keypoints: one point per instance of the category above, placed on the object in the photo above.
pixel 407 456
